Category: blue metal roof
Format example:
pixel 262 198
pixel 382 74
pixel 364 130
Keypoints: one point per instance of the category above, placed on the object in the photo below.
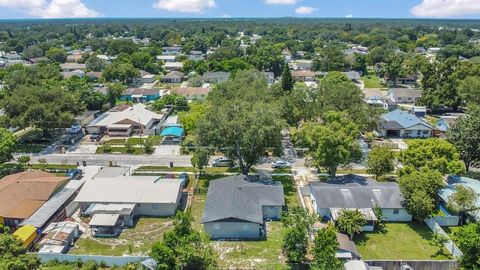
pixel 404 118
pixel 173 131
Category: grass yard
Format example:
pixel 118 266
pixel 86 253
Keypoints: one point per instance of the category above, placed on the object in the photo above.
pixel 136 140
pixel 135 241
pixel 119 150
pixel 407 241
pixel 209 170
pixel 372 81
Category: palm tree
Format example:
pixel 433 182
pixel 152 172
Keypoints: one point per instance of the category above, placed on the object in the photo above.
pixel 351 222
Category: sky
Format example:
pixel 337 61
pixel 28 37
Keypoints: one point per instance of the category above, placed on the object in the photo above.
pixel 20 9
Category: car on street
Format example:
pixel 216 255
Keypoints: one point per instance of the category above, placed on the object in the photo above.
pixel 222 162
pixel 280 164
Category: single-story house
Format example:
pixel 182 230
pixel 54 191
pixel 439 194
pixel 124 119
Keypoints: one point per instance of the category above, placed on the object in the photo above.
pixel 74 58
pixel 303 76
pixel 196 56
pixel 237 207
pixel 166 58
pixel 376 98
pixel 402 124
pixel 66 67
pixel 353 192
pixel 403 80
pixel 145 77
pixel 78 72
pixel 451 188
pixel 352 75
pixel 173 66
pixel 215 77
pixel 173 77
pixel 445 122
pixel 404 95
pixel 301 64
pixel 94 75
pixel 124 120
pixel 173 50
pixel 85 118
pixel 139 95
pixel 113 203
pixel 191 93
pixel 22 194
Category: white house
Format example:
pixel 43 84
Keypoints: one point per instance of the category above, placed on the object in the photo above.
pixel 351 192
pixel 404 95
pixel 402 124
pixel 124 120
pixel 237 207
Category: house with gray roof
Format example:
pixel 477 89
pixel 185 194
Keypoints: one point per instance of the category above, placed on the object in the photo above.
pixel 353 192
pixel 404 95
pixel 215 77
pixel 402 124
pixel 238 206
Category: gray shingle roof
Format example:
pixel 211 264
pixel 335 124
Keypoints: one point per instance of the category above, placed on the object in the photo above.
pixel 352 191
pixel 237 198
pixel 403 119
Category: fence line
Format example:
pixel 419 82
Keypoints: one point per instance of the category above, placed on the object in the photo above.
pixel 449 245
pixel 109 261
pixel 414 264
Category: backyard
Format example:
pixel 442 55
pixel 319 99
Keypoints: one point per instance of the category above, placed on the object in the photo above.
pixel 372 81
pixel 407 241
pixel 132 241
pixel 250 254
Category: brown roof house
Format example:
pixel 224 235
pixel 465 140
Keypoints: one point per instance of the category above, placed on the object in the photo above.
pixel 24 193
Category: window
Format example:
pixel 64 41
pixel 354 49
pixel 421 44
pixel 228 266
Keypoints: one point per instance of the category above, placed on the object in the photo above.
pixel 216 226
pixel 245 227
pixel 396 211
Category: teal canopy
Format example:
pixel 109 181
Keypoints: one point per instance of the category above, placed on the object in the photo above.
pixel 172 131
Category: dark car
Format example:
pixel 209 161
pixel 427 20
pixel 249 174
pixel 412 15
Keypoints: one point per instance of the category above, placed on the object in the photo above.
pixel 184 179
pixel 74 173
pixel 97 136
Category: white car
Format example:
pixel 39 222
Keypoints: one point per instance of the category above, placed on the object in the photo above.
pixel 280 164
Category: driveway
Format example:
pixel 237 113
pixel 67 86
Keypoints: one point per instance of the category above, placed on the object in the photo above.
pixel 166 150
pixel 400 143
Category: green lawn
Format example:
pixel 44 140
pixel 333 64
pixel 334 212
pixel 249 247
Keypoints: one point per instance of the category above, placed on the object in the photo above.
pixel 209 170
pixel 136 140
pixel 407 241
pixel 137 240
pixel 372 81
pixel 120 150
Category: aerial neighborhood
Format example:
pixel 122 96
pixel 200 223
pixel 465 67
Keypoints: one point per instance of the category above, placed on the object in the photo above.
pixel 229 143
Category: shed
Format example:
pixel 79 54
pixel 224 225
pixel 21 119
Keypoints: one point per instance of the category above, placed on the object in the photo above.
pixel 26 234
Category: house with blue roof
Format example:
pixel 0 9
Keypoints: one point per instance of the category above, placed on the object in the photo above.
pixel 451 188
pixel 172 134
pixel 402 124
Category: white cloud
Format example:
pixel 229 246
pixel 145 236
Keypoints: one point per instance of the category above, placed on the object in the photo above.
pixel 281 2
pixel 186 6
pixel 52 9
pixel 226 16
pixel 446 8
pixel 305 10
pixel 349 16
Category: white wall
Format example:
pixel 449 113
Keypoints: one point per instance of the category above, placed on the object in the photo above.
pixel 403 215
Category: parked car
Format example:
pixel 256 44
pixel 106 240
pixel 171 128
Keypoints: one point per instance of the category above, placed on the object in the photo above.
pixel 184 179
pixel 280 164
pixel 74 129
pixel 97 136
pixel 222 162
pixel 74 173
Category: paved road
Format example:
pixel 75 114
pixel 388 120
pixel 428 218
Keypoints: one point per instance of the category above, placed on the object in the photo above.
pixel 105 159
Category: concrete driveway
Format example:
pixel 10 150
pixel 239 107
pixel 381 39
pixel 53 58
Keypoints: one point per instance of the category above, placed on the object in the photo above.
pixel 400 143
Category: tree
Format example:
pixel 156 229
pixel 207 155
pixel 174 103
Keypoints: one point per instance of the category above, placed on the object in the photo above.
pixel 462 201
pixel 351 222
pixel 469 90
pixel 439 155
pixel 380 224
pixel 57 55
pixel 468 240
pixel 200 158
pixel 332 144
pixel 129 147
pixel 184 247
pixel 32 51
pixel 380 161
pixel 295 244
pixel 265 56
pixel 464 136
pixel 23 160
pixel 190 118
pixel 148 146
pixel 393 68
pixel 45 107
pixel 324 250
pixel 242 120
pixel 295 238
pixel 287 79
pixel 7 145
pixel 121 72
pixel 114 92
pixel 331 58
pixel 419 189
pixel 13 256
pixel 95 64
